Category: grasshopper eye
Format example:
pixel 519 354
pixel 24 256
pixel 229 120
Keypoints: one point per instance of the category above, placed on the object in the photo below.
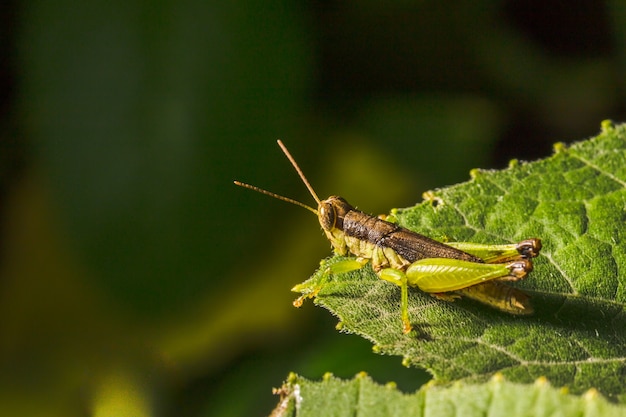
pixel 327 215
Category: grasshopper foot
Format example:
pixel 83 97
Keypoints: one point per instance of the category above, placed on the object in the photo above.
pixel 406 327
pixel 300 300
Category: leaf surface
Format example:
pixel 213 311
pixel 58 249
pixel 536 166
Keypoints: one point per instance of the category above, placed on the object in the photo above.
pixel 575 201
pixel 361 397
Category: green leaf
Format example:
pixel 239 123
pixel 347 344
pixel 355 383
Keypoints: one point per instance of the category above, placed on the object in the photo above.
pixel 362 397
pixel 575 201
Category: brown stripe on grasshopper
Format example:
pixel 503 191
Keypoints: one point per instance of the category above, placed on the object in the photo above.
pixel 409 245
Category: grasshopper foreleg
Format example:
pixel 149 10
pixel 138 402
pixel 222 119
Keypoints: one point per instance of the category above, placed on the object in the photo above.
pixel 340 267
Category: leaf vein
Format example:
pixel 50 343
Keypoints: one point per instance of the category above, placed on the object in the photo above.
pixel 521 361
pixel 566 277
pixel 600 170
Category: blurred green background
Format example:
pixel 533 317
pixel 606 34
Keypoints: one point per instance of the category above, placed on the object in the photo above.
pixel 137 280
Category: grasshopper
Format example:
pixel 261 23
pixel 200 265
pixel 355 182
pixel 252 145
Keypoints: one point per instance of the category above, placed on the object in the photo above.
pixel 406 258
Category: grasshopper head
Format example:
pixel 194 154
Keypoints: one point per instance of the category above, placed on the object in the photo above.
pixel 331 213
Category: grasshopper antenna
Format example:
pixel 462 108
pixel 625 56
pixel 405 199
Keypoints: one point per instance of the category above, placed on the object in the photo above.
pixel 283 198
pixel 299 171
pixel 278 196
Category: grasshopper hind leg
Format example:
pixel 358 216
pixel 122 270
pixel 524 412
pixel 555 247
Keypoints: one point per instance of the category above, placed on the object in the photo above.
pixel 525 249
pixel 529 248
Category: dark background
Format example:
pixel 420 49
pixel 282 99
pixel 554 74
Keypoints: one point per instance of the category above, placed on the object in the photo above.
pixel 134 276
